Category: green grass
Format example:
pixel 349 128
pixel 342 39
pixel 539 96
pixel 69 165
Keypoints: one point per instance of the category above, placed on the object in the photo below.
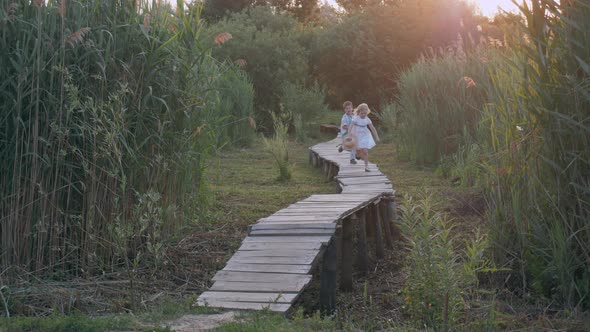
pixel 246 189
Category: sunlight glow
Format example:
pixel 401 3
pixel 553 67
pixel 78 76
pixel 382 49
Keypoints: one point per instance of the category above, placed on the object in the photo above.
pixel 490 7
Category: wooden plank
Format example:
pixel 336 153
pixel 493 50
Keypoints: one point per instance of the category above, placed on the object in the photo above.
pixel 299 225
pixel 302 260
pixel 261 277
pixel 283 252
pixel 258 287
pixel 249 297
pixel 280 245
pixel 324 239
pixel 269 268
pixel 294 218
pixel 292 232
pixel 275 307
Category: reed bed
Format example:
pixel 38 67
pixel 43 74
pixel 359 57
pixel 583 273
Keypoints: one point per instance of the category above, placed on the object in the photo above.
pixel 109 112
pixel 514 120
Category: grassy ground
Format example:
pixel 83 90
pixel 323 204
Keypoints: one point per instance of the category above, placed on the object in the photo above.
pixel 245 189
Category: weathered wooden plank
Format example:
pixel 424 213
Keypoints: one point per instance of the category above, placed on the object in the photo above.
pixel 302 218
pixel 249 297
pixel 299 225
pixel 324 239
pixel 283 252
pixel 261 277
pixel 292 232
pixel 275 307
pixel 302 260
pixel 280 246
pixel 269 268
pixel 258 287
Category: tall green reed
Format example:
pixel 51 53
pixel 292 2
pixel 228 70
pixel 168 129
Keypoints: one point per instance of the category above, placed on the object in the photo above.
pixel 101 103
pixel 538 120
pixel 523 137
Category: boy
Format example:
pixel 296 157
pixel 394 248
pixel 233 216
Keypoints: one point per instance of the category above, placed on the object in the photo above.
pixel 344 125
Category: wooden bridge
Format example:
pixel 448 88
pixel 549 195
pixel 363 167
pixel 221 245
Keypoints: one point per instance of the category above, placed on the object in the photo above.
pixel 275 261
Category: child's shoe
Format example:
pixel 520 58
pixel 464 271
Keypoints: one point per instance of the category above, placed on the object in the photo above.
pixel 340 149
pixel 352 161
pixel 367 170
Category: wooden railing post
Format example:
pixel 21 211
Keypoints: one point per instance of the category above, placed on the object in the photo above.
pixel 379 248
pixel 386 222
pixel 362 258
pixel 346 263
pixel 328 279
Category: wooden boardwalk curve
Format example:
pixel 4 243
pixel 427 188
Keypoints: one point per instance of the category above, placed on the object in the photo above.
pixel 274 264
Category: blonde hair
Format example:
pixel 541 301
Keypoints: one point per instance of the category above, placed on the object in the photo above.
pixel 347 103
pixel 362 107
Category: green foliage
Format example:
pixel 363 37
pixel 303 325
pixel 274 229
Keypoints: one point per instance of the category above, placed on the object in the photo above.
pixel 539 200
pixel 360 57
pixel 440 101
pixel 306 106
pixel 74 323
pixel 271 47
pixel 278 144
pixel 102 100
pixel 432 294
pixel 441 280
pixel 519 131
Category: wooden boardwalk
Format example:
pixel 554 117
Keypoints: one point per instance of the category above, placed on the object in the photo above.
pixel 274 264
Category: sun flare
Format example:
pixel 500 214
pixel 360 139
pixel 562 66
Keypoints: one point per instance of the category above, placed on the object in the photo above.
pixel 490 7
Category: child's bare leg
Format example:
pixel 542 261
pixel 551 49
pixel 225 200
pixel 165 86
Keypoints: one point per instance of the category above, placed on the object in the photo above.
pixel 366 157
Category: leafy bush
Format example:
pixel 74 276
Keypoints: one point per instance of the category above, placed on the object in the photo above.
pixel 441 279
pixel 306 106
pixel 270 45
pixel 361 56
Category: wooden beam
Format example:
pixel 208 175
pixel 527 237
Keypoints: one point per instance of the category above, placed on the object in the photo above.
pixel 379 248
pixel 347 259
pixel 362 258
pixel 328 280
pixel 386 224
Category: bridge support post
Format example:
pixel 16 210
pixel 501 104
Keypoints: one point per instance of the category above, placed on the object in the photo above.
pixel 362 258
pixel 386 222
pixel 379 248
pixel 346 243
pixel 392 212
pixel 328 279
pixel 370 222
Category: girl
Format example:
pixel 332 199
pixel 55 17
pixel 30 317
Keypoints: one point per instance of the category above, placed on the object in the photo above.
pixel 362 128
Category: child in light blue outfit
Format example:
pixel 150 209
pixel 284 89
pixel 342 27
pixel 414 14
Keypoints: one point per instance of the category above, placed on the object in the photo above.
pixel 344 128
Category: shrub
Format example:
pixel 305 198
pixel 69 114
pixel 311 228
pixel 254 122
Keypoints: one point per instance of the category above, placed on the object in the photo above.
pixel 277 145
pixel 270 45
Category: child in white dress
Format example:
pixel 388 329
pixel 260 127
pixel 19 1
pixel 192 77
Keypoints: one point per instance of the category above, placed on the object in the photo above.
pixel 363 129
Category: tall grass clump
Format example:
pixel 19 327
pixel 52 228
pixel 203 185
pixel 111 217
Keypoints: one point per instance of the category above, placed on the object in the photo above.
pixel 278 144
pixel 109 111
pixel 306 105
pixel 439 103
pixel 539 194
pixel 442 279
